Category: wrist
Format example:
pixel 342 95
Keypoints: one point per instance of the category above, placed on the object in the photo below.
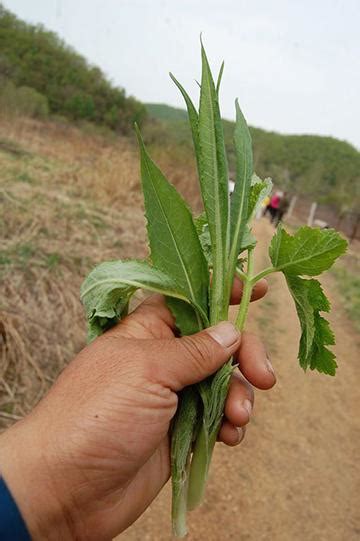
pixel 26 471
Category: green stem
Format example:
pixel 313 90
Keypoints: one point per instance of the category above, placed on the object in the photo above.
pixel 200 463
pixel 262 274
pixel 179 503
pixel 246 294
pixel 240 274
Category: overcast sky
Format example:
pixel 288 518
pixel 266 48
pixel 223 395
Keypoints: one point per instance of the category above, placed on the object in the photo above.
pixel 295 65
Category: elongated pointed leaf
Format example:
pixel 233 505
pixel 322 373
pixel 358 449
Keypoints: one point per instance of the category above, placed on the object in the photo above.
pixel 315 330
pixel 240 196
pixel 214 185
pixel 106 291
pixel 309 252
pixel 174 243
pixel 218 83
pixel 193 119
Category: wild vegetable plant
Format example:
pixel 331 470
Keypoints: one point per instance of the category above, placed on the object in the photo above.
pixel 184 251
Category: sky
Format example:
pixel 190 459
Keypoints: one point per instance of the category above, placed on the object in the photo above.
pixel 294 65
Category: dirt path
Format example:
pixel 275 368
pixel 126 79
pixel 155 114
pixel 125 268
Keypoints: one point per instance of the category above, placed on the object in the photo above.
pixel 296 476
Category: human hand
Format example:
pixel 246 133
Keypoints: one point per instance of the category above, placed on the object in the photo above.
pixel 94 453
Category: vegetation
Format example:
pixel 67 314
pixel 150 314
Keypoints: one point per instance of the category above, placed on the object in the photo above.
pixel 347 274
pixel 183 252
pixel 40 74
pixel 35 59
pixel 322 167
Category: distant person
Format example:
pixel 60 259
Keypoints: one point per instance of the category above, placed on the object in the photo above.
pixel 283 207
pixel 273 206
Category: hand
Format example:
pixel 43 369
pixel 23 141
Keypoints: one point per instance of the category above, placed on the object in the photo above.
pixel 94 452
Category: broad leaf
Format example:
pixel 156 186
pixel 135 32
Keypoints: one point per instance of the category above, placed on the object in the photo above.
pixel 308 252
pixel 214 184
pixel 106 291
pixel 174 244
pixel 316 334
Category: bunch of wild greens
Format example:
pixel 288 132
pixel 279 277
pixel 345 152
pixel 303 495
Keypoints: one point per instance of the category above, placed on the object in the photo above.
pixel 184 250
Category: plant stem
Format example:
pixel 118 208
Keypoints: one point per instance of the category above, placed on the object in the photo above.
pixel 240 274
pixel 262 274
pixel 246 295
pixel 200 463
pixel 179 504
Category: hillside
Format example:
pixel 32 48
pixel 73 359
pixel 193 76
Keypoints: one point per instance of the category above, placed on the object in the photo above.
pixel 162 111
pixel 39 73
pixel 41 76
pixel 322 167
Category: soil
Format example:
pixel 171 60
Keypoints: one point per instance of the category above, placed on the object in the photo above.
pixel 296 476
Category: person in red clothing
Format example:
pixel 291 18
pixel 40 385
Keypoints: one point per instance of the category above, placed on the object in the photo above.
pixel 273 206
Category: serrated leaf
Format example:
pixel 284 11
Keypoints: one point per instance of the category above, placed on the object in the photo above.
pixel 174 244
pixel 258 191
pixel 108 288
pixel 310 300
pixel 308 252
pixel 322 358
pixel 214 184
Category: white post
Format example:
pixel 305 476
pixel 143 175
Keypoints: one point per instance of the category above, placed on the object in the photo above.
pixel 311 214
pixel 291 206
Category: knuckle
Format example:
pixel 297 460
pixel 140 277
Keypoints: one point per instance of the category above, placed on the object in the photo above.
pixel 199 350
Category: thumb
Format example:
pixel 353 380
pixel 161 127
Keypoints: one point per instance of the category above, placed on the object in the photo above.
pixel 190 359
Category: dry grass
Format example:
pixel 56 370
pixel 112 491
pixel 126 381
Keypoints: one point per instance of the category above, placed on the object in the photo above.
pixel 68 199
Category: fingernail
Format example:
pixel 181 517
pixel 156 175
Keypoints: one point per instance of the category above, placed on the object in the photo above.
pixel 241 434
pixel 247 405
pixel 224 333
pixel 269 366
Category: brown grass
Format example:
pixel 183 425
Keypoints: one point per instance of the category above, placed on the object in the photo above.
pixel 69 198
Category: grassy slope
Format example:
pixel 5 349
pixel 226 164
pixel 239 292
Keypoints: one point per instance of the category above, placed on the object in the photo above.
pixel 68 200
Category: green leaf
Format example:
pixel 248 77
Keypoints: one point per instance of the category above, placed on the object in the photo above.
pixel 106 291
pixel 214 186
pixel 218 83
pixel 247 240
pixel 202 229
pixel 258 191
pixel 193 119
pixel 316 334
pixel 321 358
pixel 174 244
pixel 308 252
pixel 240 196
